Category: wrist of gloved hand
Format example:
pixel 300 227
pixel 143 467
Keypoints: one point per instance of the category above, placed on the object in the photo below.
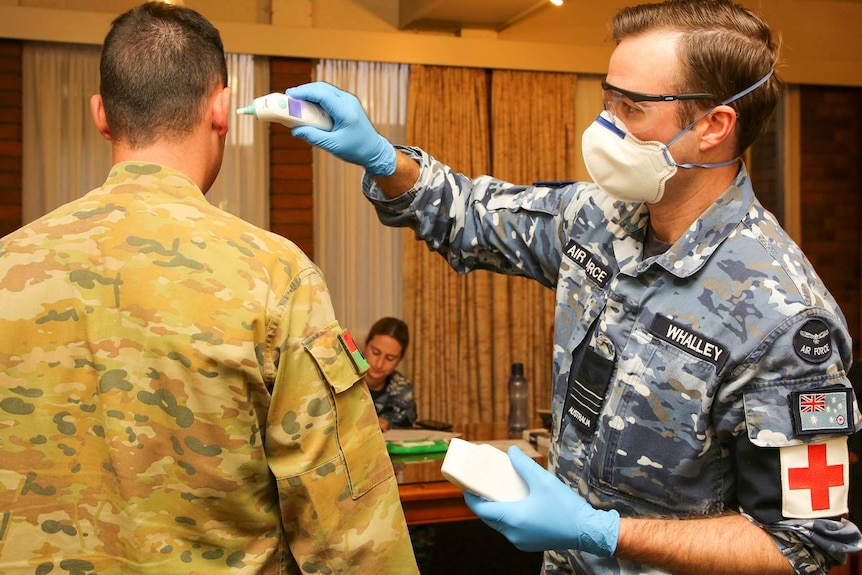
pixel 602 536
pixel 383 162
pixel 552 516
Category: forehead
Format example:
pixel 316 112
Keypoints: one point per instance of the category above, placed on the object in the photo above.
pixel 385 344
pixel 646 63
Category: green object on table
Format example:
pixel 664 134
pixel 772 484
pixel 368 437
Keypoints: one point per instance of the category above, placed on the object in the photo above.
pixel 412 446
pixel 402 458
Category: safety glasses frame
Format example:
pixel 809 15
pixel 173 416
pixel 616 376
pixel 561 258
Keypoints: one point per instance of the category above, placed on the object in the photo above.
pixel 641 97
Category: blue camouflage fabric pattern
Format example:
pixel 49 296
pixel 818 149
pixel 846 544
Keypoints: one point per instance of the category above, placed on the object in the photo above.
pixel 395 402
pixel 664 436
pixel 175 398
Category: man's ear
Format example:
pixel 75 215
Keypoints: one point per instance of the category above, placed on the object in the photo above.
pixel 221 110
pixel 719 126
pixel 97 109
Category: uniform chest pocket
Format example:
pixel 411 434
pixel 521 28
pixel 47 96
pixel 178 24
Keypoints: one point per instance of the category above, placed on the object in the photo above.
pixel 656 441
pixel 586 394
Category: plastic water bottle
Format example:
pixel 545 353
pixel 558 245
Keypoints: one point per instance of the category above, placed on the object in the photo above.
pixel 518 394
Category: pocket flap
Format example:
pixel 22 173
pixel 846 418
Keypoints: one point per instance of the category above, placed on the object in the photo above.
pixel 336 355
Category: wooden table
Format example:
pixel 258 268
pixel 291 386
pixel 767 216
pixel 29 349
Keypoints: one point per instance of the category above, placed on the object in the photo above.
pixel 426 496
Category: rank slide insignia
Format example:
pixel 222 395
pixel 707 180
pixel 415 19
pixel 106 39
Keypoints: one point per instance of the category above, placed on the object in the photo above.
pixel 359 363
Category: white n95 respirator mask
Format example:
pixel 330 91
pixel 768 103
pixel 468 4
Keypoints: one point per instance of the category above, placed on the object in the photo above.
pixel 626 168
pixel 633 170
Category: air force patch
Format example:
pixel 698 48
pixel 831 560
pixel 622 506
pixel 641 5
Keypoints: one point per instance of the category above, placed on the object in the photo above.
pixel 812 342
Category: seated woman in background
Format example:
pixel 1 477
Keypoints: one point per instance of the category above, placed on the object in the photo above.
pixel 396 408
pixel 392 393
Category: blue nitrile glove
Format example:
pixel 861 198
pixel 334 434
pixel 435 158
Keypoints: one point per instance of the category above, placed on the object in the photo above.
pixel 352 138
pixel 552 516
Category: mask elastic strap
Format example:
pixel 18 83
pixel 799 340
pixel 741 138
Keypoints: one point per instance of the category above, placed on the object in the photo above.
pixel 670 161
pixel 733 98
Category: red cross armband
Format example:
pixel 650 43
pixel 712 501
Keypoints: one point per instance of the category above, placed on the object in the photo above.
pixel 815 478
pixel 795 467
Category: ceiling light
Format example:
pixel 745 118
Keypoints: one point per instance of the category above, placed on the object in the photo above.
pixel 557 2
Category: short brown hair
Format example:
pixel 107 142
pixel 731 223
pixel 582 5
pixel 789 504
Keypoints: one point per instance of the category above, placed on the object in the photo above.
pixel 159 65
pixel 724 49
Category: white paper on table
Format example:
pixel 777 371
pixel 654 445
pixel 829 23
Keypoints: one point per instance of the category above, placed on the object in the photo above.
pixel 399 435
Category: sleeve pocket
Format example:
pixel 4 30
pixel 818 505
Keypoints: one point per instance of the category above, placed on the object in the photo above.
pixel 360 441
pixel 772 416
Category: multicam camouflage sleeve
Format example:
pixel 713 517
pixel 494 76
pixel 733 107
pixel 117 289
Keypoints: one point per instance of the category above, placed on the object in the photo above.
pixel 336 484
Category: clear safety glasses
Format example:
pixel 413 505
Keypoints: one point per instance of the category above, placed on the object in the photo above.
pixel 626 106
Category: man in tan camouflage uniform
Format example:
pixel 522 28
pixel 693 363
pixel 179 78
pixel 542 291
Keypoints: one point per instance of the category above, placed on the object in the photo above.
pixel 176 395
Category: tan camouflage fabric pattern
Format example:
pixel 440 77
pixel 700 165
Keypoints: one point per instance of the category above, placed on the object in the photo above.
pixel 175 398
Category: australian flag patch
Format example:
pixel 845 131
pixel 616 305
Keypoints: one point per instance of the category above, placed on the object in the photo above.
pixel 823 411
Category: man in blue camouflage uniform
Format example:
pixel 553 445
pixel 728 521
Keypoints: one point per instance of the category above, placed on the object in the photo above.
pixel 176 395
pixel 701 404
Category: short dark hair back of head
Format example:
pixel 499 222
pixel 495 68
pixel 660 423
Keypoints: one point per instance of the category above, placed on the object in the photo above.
pixel 394 328
pixel 159 65
pixel 724 49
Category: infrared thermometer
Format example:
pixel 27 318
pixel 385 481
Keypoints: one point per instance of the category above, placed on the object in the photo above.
pixel 291 112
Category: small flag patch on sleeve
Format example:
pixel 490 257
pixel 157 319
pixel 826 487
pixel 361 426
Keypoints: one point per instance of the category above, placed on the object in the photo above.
pixel 822 411
pixel 359 362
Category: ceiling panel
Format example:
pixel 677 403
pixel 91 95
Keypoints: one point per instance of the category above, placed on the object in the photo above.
pixel 453 15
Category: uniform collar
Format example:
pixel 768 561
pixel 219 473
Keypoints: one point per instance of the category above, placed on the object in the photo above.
pixel 706 234
pixel 173 181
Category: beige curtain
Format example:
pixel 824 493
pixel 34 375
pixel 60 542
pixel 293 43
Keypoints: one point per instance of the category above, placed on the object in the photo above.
pixel 534 138
pixel 64 156
pixel 470 329
pixel 360 258
pixel 448 116
pixel 242 186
